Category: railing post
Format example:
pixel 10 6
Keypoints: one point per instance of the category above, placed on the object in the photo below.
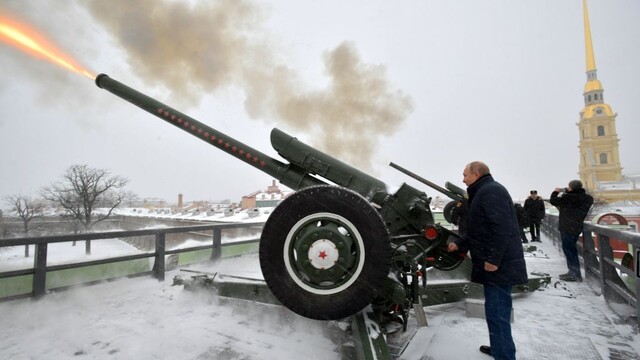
pixel 607 271
pixel 40 275
pixel 550 228
pixel 217 244
pixel 588 258
pixel 602 240
pixel 158 265
pixel 637 285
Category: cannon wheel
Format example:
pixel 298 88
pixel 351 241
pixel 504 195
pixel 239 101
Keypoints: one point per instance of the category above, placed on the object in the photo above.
pixel 325 253
pixel 449 212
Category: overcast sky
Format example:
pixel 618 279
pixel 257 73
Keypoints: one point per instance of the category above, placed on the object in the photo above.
pixel 430 85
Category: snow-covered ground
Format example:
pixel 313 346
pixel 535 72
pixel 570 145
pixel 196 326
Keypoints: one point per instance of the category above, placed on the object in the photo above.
pixel 142 318
pixel 235 216
pixel 12 258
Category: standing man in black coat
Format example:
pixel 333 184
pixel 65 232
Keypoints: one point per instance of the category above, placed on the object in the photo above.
pixel 496 253
pixel 574 205
pixel 534 209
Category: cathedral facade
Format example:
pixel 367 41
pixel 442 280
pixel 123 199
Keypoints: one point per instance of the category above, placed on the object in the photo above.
pixel 600 166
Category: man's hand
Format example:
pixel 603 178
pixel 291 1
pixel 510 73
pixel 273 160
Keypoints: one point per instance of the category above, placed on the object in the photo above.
pixel 490 267
pixel 452 247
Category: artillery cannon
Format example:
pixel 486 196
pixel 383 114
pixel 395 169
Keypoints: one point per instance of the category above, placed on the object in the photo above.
pixel 340 242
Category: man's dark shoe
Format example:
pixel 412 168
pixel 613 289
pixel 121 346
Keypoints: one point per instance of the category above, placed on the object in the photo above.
pixel 485 349
pixel 525 241
pixel 570 278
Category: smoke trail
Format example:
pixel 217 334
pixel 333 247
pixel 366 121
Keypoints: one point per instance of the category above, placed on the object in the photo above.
pixel 202 47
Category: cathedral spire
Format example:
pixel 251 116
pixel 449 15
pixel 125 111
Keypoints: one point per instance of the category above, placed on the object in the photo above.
pixel 591 59
pixel 593 84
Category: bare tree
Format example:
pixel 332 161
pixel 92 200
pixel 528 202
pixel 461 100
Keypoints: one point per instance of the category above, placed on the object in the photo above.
pixel 26 209
pixel 81 190
pixel 131 198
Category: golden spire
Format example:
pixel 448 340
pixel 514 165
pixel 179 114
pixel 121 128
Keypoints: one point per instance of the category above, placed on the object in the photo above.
pixel 593 84
pixel 591 60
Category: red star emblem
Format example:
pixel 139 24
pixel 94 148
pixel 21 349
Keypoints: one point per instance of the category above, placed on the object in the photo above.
pixel 323 254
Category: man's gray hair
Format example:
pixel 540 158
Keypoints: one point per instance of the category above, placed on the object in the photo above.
pixel 480 167
pixel 575 184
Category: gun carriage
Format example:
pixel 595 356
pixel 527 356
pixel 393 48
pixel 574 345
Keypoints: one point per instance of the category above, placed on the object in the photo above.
pixel 341 241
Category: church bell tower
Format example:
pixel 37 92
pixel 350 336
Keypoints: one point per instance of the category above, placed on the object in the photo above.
pixel 599 157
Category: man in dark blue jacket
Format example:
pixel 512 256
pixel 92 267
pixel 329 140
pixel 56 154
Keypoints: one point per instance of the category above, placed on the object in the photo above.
pixel 573 205
pixel 493 240
pixel 534 208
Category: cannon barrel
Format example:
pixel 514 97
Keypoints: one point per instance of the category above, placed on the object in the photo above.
pixel 305 160
pixel 452 191
pixel 288 175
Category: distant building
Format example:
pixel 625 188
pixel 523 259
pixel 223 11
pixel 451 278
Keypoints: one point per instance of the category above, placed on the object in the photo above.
pixel 249 201
pixel 439 203
pixel 151 203
pixel 621 215
pixel 600 167
pixel 622 212
pixel 269 198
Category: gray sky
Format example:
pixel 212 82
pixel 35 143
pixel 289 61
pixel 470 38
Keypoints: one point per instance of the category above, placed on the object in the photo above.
pixel 430 85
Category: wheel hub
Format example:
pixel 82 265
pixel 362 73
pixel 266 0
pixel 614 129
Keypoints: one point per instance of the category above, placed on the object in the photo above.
pixel 323 254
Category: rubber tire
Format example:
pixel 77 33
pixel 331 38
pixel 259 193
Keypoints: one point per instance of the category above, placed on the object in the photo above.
pixel 375 238
pixel 449 212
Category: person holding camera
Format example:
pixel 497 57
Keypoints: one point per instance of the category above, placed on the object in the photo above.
pixel 573 203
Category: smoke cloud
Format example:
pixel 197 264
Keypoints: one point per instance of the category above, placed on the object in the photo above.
pixel 199 48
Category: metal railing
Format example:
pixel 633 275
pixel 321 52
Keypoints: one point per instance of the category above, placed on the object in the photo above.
pixel 598 260
pixel 41 268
